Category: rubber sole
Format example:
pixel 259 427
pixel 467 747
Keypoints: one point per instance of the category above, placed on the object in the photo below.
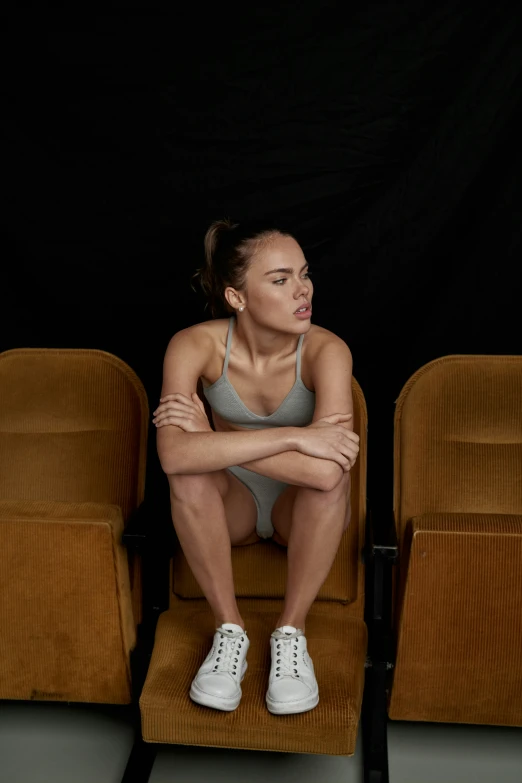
pixel 216 702
pixel 280 708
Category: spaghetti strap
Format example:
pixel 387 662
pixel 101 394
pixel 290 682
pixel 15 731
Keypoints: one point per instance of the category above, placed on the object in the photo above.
pixel 299 347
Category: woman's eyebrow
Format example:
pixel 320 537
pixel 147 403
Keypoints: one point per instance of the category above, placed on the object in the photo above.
pixel 287 270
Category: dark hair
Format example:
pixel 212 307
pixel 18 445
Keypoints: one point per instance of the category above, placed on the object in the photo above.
pixel 229 249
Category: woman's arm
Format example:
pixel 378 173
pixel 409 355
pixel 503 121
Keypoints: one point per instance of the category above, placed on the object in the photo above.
pixel 203 452
pixel 295 468
pixel 182 452
pixel 331 369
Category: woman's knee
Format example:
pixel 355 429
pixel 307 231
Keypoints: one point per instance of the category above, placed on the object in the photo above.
pixel 343 485
pixel 191 487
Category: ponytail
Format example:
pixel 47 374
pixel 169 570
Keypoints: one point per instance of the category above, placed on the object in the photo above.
pixel 216 231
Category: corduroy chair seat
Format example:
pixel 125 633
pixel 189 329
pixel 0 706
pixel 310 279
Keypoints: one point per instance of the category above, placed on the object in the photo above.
pixel 337 644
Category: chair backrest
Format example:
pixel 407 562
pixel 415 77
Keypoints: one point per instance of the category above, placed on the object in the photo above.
pixel 260 569
pixel 73 427
pixel 458 438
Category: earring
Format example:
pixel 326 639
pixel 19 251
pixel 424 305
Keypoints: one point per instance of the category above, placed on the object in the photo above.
pixel 241 309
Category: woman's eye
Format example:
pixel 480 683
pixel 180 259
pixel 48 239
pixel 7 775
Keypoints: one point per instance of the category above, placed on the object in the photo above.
pixel 283 279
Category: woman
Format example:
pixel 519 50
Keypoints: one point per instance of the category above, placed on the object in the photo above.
pixel 276 463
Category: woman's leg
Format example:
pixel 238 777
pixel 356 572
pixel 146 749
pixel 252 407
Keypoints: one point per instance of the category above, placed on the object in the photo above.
pixel 312 521
pixel 211 512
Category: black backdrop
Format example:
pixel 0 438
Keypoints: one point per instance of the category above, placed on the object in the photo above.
pixel 385 135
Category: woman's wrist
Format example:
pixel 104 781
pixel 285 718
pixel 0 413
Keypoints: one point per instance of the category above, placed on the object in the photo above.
pixel 292 438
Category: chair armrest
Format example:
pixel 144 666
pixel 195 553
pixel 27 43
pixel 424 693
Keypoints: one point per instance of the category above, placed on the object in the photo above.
pixel 380 558
pixel 148 529
pixel 387 547
pixel 149 532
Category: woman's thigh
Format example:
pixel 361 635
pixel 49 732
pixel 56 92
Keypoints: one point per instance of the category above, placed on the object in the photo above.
pixel 239 504
pixel 282 514
pixel 240 511
pixel 283 508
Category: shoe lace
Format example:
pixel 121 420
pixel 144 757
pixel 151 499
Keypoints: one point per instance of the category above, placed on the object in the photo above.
pixel 287 660
pixel 229 647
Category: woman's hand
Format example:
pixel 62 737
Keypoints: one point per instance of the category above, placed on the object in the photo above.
pixel 188 413
pixel 327 439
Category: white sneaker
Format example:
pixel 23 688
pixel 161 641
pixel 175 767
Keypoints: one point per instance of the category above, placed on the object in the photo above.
pixel 218 681
pixel 292 686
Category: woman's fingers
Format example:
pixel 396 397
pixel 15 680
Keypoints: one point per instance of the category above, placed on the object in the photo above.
pixel 351 446
pixel 174 396
pixel 171 414
pixel 179 406
pixel 174 410
pixel 349 434
pixel 199 401
pixel 183 422
pixel 175 404
pixel 180 400
pixel 183 403
pixel 169 420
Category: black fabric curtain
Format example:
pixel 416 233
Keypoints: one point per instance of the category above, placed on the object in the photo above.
pixel 385 136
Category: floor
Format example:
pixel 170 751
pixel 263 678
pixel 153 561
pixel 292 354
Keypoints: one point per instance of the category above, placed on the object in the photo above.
pixel 61 743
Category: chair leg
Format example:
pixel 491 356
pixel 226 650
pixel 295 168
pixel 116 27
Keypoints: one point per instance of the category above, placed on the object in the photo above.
pixel 374 725
pixel 142 756
pixel 141 761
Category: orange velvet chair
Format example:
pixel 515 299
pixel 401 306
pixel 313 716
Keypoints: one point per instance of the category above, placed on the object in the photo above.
pixel 73 433
pixel 336 631
pixel 455 593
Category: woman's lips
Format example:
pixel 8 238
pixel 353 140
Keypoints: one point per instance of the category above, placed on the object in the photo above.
pixel 305 314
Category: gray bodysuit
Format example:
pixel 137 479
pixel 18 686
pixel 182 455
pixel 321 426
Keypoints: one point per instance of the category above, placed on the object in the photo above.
pixel 296 410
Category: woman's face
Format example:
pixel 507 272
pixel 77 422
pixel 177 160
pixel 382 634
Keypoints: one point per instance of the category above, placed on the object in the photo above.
pixel 274 296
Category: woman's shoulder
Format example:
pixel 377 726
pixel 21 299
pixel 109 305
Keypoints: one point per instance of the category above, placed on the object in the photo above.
pixel 202 338
pixel 204 328
pixel 210 333
pixel 318 337
pixel 199 337
pixel 210 330
pixel 320 333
